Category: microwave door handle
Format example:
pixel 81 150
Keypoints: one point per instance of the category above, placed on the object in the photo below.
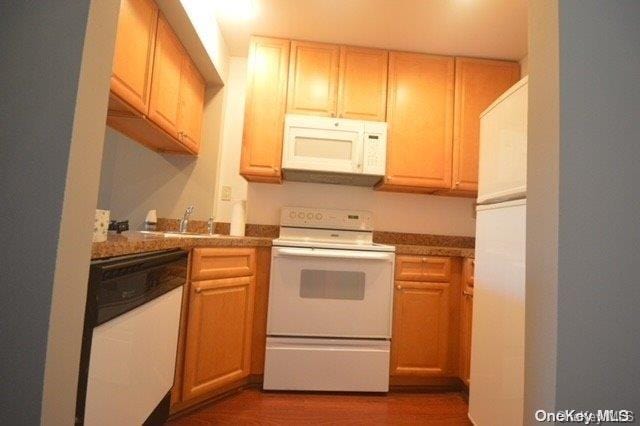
pixel 340 254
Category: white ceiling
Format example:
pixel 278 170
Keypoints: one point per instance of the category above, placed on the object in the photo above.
pixel 483 28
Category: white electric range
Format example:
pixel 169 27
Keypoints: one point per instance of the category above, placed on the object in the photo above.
pixel 330 303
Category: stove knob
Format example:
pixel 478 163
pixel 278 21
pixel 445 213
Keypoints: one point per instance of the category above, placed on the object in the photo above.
pixel 309 215
pixel 292 214
pixel 318 216
pixel 301 215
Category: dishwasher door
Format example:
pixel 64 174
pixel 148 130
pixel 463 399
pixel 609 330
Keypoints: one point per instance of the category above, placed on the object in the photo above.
pixel 130 339
pixel 132 362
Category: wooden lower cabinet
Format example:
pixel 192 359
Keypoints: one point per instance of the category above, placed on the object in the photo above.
pixel 218 341
pixel 466 315
pixel 426 321
pixel 421 329
pixel 223 323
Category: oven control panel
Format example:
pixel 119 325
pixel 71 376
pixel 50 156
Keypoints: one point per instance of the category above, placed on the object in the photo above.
pixel 305 217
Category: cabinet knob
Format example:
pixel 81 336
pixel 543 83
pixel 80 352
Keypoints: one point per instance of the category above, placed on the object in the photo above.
pixel 399 287
pixel 467 293
pixel 198 289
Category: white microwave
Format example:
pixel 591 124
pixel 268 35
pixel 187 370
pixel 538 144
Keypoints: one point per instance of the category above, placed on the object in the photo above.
pixel 334 150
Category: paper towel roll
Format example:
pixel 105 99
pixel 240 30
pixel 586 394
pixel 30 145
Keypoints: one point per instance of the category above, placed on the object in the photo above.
pixel 100 226
pixel 238 218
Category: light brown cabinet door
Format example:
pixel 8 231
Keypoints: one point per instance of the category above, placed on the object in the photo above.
pixel 420 118
pixel 133 57
pixel 420 342
pixel 218 335
pixel 362 94
pixel 479 82
pixel 313 78
pixel 267 71
pixel 165 85
pixel 192 88
pixel 466 315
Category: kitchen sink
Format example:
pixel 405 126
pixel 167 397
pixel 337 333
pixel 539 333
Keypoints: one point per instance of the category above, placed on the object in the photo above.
pixel 180 234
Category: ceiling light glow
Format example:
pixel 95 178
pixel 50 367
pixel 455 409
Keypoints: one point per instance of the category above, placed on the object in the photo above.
pixel 236 10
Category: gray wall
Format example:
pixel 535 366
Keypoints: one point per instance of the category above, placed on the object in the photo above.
pixel 583 324
pixel 40 51
pixel 135 179
pixel 599 230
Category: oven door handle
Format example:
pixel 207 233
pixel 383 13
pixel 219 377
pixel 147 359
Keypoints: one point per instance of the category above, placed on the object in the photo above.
pixel 335 254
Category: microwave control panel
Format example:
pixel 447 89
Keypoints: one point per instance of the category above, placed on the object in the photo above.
pixel 305 217
pixel 374 148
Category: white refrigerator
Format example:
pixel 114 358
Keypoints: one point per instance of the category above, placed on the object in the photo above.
pixel 497 343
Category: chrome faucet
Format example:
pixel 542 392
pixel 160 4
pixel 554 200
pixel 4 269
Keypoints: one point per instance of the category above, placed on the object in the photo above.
pixel 185 219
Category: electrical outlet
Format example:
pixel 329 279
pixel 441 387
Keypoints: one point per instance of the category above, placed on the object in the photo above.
pixel 226 193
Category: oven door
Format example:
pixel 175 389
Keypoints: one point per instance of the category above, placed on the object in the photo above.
pixel 330 293
pixel 322 144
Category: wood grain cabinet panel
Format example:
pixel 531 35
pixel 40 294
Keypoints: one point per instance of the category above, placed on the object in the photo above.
pixel 478 83
pixel 423 268
pixel 362 94
pixel 466 315
pixel 218 336
pixel 190 111
pixel 266 99
pixel 313 78
pixel 165 85
pixel 421 335
pixel 420 118
pixel 215 263
pixel 133 56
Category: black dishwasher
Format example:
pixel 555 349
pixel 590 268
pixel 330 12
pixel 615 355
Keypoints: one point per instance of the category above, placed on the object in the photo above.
pixel 129 339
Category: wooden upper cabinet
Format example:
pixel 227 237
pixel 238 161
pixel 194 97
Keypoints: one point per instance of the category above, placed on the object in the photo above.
pixel 421 335
pixel 165 86
pixel 420 120
pixel 313 78
pixel 133 57
pixel 479 82
pixel 267 71
pixel 362 94
pixel 192 87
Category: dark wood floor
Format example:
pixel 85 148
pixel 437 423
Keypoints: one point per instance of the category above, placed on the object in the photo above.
pixel 254 407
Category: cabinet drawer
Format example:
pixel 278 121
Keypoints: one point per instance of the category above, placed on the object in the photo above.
pixel 214 263
pixel 423 268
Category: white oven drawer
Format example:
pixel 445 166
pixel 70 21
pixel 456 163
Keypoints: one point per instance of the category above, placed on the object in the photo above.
pixel 327 365
pixel 330 293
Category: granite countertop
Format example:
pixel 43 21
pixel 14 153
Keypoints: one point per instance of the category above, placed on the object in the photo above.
pixel 406 244
pixel 136 242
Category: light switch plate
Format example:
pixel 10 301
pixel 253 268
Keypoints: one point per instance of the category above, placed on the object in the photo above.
pixel 226 193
